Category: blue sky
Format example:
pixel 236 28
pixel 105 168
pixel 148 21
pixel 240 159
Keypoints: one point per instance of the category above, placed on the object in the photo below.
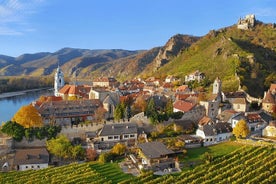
pixel 29 26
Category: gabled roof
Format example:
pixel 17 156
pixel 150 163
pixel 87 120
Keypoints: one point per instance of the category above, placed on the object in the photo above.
pixel 266 117
pixel 226 115
pixel 31 156
pixel 118 129
pixel 205 120
pixel 269 98
pixel 183 106
pixel 154 149
pixel 216 128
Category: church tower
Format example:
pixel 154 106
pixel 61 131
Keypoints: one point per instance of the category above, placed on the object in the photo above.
pixel 217 86
pixel 59 80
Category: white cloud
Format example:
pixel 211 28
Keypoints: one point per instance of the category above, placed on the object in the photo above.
pixel 14 14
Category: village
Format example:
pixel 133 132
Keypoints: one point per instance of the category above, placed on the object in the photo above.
pixel 157 119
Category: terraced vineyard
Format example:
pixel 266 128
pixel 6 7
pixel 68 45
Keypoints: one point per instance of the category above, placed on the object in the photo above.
pixel 247 164
pixel 73 173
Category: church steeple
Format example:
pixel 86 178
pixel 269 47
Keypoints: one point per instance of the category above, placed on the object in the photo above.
pixel 217 86
pixel 59 80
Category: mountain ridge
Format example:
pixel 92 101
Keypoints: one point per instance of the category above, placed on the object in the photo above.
pixel 242 58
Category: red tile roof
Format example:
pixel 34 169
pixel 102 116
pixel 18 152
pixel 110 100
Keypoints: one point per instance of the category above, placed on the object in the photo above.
pixel 272 87
pixel 182 88
pixel 183 106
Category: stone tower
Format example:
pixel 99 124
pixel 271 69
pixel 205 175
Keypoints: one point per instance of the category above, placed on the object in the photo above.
pixel 217 86
pixel 59 80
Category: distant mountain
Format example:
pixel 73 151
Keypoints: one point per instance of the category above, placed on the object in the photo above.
pixel 243 58
pixel 69 59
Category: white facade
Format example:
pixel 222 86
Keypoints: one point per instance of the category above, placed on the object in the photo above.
pixel 213 139
pixel 25 167
pixel 59 81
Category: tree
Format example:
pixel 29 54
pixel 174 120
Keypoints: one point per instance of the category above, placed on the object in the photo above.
pixel 100 114
pixel 140 104
pixel 13 129
pixel 241 130
pixel 118 149
pixel 62 148
pixel 77 152
pixel 59 146
pixel 169 107
pixel 151 111
pixel 91 154
pixel 28 116
pixel 119 112
pixel 105 157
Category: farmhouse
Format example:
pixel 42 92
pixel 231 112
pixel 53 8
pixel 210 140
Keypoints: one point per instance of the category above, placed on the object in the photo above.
pixel 26 159
pixel 214 133
pixel 155 156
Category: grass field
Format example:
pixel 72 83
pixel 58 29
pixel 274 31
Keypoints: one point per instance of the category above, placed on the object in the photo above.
pixel 194 155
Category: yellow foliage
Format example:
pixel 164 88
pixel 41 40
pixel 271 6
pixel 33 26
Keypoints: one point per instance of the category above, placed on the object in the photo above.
pixel 241 129
pixel 28 116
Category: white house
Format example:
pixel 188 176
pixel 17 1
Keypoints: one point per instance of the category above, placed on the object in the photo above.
pixel 270 130
pixel 214 133
pixel 26 159
pixel 196 76
pixel 118 132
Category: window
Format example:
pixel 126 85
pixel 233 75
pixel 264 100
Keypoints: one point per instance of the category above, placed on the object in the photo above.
pixel 126 136
pixel 26 167
pixel 132 135
pixel 116 137
pixel 110 137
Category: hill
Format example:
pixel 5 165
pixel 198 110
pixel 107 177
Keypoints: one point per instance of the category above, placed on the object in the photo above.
pixel 238 57
pixel 69 59
pixel 243 59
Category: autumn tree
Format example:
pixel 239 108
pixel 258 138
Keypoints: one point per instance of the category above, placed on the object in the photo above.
pixel 28 116
pixel 59 146
pixel 62 148
pixel 119 149
pixel 140 104
pixel 91 154
pixel 77 152
pixel 100 114
pixel 241 130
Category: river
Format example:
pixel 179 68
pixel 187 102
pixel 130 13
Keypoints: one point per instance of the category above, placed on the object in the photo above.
pixel 10 103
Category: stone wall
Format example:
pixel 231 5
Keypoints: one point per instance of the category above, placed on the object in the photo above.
pixel 29 144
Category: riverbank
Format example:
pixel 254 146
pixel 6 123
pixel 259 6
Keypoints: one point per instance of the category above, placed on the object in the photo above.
pixel 19 93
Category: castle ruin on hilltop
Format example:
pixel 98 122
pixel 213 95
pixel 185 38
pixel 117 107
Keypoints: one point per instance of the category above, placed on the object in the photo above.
pixel 246 23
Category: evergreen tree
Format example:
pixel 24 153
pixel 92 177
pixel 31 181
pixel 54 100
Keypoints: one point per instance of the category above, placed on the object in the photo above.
pixel 13 129
pixel 119 112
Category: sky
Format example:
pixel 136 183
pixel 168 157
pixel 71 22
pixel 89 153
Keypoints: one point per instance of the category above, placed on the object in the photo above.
pixel 31 26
